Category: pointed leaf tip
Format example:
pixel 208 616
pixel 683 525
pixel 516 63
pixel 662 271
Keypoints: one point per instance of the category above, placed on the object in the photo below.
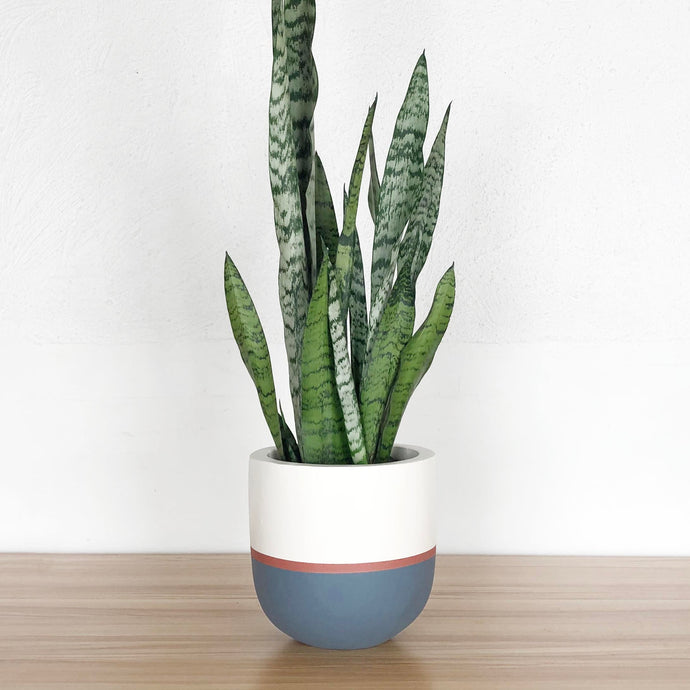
pixel 251 341
pixel 400 182
pixel 415 360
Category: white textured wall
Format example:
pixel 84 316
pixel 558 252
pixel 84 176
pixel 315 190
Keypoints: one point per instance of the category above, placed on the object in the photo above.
pixel 133 154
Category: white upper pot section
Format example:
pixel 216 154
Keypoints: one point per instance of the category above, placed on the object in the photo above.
pixel 342 513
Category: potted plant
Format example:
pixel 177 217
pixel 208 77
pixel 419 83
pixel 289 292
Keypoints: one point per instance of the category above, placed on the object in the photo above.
pixel 341 519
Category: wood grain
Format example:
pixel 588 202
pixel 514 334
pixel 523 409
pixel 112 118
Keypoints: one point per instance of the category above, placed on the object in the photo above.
pixel 179 622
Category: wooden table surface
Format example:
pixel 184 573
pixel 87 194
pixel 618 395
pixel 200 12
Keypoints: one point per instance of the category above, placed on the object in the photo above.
pixel 192 621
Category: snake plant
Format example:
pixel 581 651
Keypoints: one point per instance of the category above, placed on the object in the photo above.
pixel 352 370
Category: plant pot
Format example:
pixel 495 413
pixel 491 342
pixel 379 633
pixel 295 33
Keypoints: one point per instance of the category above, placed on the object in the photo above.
pixel 343 556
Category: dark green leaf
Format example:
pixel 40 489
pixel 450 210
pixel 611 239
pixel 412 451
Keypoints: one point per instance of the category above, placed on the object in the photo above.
pixel 374 184
pixel 344 257
pixel 417 241
pixel 402 176
pixel 324 439
pixel 358 314
pixel 380 369
pixel 326 222
pixel 416 359
pixel 290 446
pixel 250 338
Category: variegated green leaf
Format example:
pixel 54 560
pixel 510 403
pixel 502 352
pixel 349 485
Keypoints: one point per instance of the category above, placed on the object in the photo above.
pixel 326 222
pixel 417 241
pixel 402 175
pixel 250 338
pixel 293 278
pixel 343 374
pixel 358 314
pixel 359 330
pixel 300 16
pixel 358 171
pixel 416 359
pixel 343 267
pixel 344 257
pixel 324 439
pixel 380 299
pixel 311 239
pixel 374 184
pixel 290 446
pixel 412 252
pixel 380 369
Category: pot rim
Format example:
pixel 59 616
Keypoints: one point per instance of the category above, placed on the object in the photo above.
pixel 411 454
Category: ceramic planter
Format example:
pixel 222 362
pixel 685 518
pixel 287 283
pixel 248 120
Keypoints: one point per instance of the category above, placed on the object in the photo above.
pixel 342 555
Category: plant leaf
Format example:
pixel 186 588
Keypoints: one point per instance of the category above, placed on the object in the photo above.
pixel 416 359
pixel 344 257
pixel 324 439
pixel 293 280
pixel 358 314
pixel 311 240
pixel 358 171
pixel 250 338
pixel 417 241
pixel 300 16
pixel 343 375
pixel 413 250
pixel 326 222
pixel 380 300
pixel 290 447
pixel 374 184
pixel 402 175
pixel 380 369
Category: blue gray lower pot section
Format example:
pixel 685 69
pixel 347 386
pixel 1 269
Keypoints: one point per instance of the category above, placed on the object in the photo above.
pixel 336 610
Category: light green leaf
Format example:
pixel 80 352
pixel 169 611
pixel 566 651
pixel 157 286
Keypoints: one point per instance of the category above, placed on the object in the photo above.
pixel 416 359
pixel 402 176
pixel 250 338
pixel 293 280
pixel 324 439
pixel 417 241
pixel 380 369
pixel 343 374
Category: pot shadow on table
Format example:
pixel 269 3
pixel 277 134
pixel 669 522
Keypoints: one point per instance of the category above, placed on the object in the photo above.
pixel 389 665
